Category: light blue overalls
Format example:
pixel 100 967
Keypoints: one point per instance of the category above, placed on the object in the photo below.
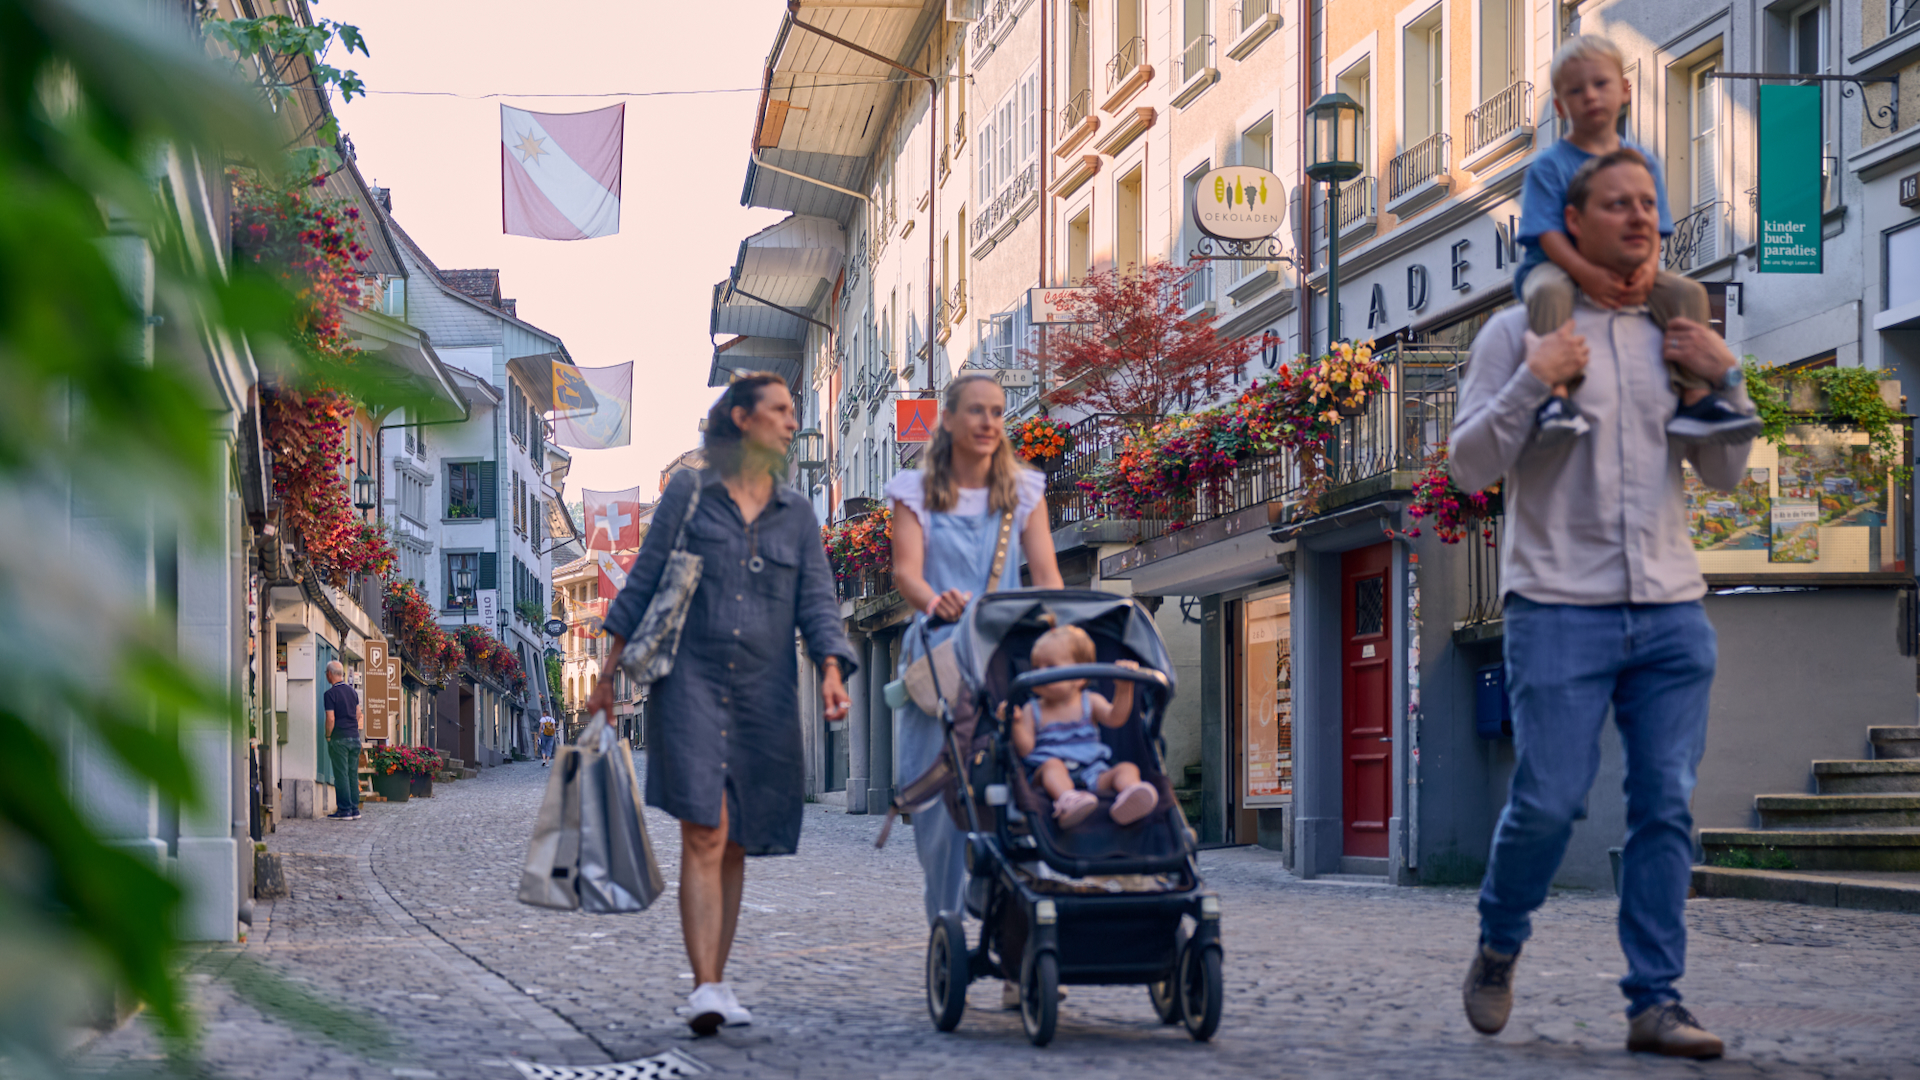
pixel 959 556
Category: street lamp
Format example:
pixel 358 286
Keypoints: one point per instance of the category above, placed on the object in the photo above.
pixel 463 584
pixel 1333 155
pixel 363 491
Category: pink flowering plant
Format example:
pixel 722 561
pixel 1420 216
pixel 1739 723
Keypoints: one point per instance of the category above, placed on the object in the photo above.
pixel 1452 512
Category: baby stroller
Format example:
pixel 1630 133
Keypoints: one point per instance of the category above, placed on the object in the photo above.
pixel 1096 904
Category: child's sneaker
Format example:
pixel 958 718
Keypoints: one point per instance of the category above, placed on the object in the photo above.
pixel 1712 420
pixel 1560 420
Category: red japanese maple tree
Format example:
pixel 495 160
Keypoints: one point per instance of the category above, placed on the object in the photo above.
pixel 1134 350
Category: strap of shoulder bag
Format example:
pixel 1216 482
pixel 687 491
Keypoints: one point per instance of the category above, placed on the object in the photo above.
pixel 1000 551
pixel 693 503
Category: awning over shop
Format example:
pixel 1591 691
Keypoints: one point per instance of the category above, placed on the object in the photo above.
pixel 825 104
pixel 781 356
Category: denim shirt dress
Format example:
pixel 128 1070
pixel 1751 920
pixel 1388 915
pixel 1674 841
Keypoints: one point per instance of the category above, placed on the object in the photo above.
pixel 726 722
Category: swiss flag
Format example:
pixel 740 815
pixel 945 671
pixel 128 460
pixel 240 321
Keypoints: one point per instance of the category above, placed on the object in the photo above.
pixel 613 519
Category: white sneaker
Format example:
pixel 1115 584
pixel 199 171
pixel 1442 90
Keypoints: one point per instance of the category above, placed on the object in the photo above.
pixel 706 1008
pixel 737 1014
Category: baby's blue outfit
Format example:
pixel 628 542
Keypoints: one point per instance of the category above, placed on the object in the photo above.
pixel 1076 742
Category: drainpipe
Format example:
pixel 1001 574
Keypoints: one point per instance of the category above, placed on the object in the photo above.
pixel 1305 304
pixel 933 152
pixel 1046 204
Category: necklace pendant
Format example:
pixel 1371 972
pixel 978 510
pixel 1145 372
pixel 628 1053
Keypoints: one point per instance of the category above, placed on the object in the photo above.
pixel 756 564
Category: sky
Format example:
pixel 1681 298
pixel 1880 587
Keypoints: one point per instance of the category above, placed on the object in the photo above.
pixel 643 295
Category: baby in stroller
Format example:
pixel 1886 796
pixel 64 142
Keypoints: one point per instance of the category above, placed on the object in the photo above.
pixel 1056 738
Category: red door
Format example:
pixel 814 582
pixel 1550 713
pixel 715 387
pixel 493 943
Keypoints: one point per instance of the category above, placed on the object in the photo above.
pixel 1366 697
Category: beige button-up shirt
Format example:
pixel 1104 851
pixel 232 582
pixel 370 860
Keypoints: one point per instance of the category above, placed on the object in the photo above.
pixel 1600 519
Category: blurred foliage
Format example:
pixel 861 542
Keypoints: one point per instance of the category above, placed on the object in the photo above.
pixel 105 424
pixel 282 57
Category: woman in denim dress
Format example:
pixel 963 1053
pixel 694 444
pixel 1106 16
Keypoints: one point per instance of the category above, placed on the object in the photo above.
pixel 946 524
pixel 724 752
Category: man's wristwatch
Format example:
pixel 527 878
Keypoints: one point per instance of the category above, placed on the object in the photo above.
pixel 1735 378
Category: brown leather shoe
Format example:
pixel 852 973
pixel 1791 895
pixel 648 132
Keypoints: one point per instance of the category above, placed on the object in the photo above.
pixel 1489 990
pixel 1669 1029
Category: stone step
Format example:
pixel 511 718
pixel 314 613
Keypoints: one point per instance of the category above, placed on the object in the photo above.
pixel 1866 777
pixel 1838 811
pixel 1885 850
pixel 1867 891
pixel 1895 743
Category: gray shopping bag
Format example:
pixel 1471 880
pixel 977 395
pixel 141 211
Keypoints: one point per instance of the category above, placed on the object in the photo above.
pixel 551 876
pixel 617 869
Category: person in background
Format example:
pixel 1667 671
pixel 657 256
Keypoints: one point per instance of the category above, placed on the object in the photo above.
pixel 724 754
pixel 549 732
pixel 343 742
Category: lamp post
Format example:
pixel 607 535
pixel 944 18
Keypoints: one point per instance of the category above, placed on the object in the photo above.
pixel 1333 155
pixel 363 491
pixel 463 584
pixel 809 452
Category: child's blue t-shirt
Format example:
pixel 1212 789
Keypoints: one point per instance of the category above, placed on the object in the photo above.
pixel 1543 202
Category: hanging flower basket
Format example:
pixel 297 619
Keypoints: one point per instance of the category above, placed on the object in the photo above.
pixel 1042 440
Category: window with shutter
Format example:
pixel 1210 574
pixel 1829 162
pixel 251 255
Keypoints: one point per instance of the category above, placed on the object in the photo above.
pixel 1705 130
pixel 488 576
pixel 489 488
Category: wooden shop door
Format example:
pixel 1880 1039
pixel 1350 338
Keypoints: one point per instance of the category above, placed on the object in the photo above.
pixel 1366 696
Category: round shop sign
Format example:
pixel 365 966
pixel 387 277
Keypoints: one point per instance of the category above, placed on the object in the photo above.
pixel 555 627
pixel 1239 203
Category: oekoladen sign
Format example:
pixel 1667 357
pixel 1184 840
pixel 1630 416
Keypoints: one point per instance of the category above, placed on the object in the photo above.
pixel 1239 203
pixel 1790 241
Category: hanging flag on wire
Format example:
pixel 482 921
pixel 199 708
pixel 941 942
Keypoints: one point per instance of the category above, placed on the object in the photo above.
pixel 610 423
pixel 613 519
pixel 613 571
pixel 560 173
pixel 556 383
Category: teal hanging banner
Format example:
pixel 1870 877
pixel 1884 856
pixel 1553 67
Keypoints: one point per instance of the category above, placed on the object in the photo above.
pixel 1790 179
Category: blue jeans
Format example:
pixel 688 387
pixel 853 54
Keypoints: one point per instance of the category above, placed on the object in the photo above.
pixel 346 771
pixel 1565 664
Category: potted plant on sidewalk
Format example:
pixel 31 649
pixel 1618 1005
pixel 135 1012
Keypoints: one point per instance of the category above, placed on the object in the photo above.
pixel 400 771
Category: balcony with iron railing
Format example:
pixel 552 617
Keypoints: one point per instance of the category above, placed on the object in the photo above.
pixel 1011 198
pixel 957 303
pixel 1486 603
pixel 1422 167
pixel 1357 207
pixel 1079 106
pixel 1250 23
pixel 959 129
pixel 1379 450
pixel 1500 125
pixel 1127 60
pixel 1195 71
pixel 1698 239
pixel 1196 289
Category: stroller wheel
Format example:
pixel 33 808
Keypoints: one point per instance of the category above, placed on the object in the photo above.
pixel 1201 987
pixel 1040 998
pixel 947 972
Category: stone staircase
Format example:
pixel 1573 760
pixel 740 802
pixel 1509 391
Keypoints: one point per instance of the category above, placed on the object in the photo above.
pixel 1855 843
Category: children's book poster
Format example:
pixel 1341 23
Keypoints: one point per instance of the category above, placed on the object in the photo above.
pixel 1839 479
pixel 1736 520
pixel 1796 531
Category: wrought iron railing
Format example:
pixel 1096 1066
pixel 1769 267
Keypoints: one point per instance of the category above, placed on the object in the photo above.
pixel 1696 239
pixel 993 19
pixel 946 161
pixel 1131 54
pixel 1248 12
pixel 960 128
pixel 957 305
pixel 1197 288
pixel 1359 200
pixel 1499 116
pixel 1078 106
pixel 1010 199
pixel 1420 163
pixel 1485 602
pixel 1196 58
pixel 1397 430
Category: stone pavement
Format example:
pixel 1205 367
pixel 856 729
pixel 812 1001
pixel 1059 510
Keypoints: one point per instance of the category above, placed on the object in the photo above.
pixel 407 918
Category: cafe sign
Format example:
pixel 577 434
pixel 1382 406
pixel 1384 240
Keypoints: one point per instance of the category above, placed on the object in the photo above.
pixel 1239 203
pixel 1790 241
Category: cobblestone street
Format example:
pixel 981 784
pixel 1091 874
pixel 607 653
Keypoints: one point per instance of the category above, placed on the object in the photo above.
pixel 409 916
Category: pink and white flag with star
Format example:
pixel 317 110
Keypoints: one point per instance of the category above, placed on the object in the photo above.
pixel 560 173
